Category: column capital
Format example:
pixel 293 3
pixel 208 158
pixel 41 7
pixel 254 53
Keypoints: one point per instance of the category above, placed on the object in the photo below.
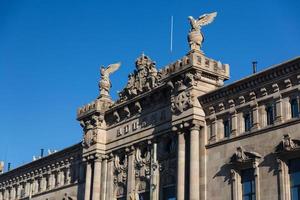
pixel 195 127
pixel 130 149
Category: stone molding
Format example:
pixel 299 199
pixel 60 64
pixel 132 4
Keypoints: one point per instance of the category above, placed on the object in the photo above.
pixel 255 81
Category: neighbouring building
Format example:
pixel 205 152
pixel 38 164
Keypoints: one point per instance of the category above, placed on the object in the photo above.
pixel 178 133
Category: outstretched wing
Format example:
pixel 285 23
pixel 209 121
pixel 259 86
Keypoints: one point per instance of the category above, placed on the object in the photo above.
pixel 206 19
pixel 112 68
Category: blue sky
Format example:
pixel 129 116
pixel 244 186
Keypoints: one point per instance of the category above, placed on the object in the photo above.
pixel 51 51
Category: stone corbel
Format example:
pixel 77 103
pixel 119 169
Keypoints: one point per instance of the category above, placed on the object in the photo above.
pixel 221 106
pixel 252 96
pixel 275 88
pixel 242 99
pixel 138 107
pixel 116 116
pixel 288 83
pixel 127 111
pixel 263 91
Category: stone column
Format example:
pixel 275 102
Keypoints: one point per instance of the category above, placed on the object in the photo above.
pixel 1 194
pixel 131 171
pixel 180 167
pixel 234 185
pixel 154 182
pixel 278 106
pixel 194 163
pixel 110 178
pixel 202 165
pixel 104 178
pixel 88 181
pixel 257 183
pixel 97 178
pixel 234 123
pixel 213 129
pixel 255 116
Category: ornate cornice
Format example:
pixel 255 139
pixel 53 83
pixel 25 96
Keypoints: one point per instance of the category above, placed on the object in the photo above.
pixel 254 81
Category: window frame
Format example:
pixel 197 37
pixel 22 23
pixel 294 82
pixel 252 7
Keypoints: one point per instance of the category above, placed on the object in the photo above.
pixel 248 113
pixel 296 100
pixel 244 160
pixel 270 120
pixel 288 149
pixel 229 128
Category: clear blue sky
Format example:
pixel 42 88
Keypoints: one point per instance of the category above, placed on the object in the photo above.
pixel 51 51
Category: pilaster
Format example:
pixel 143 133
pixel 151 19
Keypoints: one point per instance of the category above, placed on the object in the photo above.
pixel 131 172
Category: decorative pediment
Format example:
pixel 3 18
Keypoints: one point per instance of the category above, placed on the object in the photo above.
pixel 288 145
pixel 143 79
pixel 242 156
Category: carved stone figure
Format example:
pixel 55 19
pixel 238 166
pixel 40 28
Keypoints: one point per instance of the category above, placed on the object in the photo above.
pixel 241 156
pixel 144 78
pixel 195 37
pixel 105 84
pixel 1 167
pixel 120 174
pixel 142 167
pixel 288 144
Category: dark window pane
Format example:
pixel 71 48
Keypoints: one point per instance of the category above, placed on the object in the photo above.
pixel 247 121
pixel 270 114
pixel 169 193
pixel 294 171
pixel 144 196
pixel 248 184
pixel 227 128
pixel 294 108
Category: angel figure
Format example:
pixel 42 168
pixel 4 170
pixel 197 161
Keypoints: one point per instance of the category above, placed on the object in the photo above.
pixel 195 37
pixel 105 84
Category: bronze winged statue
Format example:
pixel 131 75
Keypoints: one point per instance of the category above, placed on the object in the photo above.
pixel 195 37
pixel 105 84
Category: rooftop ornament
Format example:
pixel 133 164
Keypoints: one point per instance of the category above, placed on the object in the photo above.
pixel 105 84
pixel 195 36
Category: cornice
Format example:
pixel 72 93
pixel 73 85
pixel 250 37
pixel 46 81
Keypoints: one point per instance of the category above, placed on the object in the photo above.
pixel 253 81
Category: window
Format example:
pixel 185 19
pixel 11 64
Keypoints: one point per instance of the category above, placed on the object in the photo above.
pixel 270 109
pixel 169 193
pixel 294 172
pixel 294 108
pixel 144 196
pixel 248 121
pixel 248 184
pixel 227 127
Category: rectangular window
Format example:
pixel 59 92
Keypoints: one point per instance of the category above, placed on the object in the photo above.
pixel 227 127
pixel 248 121
pixel 294 108
pixel 248 184
pixel 144 196
pixel 270 109
pixel 294 172
pixel 169 193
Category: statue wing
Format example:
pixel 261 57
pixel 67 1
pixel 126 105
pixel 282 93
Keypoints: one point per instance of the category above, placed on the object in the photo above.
pixel 206 19
pixel 112 68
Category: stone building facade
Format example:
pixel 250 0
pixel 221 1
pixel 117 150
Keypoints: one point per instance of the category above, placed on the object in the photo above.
pixel 178 133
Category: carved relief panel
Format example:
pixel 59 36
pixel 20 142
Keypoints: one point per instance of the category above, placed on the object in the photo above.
pixel 120 174
pixel 142 167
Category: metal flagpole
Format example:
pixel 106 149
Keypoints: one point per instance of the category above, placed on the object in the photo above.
pixel 171 41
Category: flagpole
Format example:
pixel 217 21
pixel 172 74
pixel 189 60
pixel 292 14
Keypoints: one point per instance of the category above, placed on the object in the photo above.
pixel 171 40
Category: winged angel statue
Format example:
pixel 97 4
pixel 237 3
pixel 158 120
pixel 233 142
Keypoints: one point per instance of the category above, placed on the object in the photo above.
pixel 195 37
pixel 105 84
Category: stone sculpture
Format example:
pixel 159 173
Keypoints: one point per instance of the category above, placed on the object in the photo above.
pixel 195 37
pixel 105 84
